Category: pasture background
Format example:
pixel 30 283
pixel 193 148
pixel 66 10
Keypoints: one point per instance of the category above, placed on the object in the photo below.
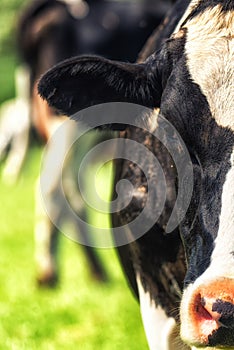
pixel 80 313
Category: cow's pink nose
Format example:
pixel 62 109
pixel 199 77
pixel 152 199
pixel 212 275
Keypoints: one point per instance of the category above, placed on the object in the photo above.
pixel 212 307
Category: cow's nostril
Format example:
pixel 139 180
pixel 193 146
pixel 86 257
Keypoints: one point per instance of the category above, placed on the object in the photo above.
pixel 201 310
pixel 207 310
pixel 204 308
pixel 205 321
pixel 211 314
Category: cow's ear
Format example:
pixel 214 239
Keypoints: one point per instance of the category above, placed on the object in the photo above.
pixel 89 80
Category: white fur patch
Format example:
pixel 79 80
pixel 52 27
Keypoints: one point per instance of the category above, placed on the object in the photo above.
pixel 161 330
pixel 210 59
pixel 191 6
pixel 222 260
pixel 150 120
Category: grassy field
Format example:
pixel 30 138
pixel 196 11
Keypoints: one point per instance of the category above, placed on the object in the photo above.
pixel 81 313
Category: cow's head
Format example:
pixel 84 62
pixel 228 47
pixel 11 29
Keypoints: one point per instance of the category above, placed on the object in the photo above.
pixel 191 80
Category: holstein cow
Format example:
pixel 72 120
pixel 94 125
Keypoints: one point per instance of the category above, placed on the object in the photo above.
pixel 50 31
pixel 190 82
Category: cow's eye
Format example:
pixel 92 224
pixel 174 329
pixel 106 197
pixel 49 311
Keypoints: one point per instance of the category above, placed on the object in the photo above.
pixel 195 159
pixel 197 190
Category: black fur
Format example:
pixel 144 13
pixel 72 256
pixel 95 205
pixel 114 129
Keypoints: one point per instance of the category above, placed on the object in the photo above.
pixel 67 86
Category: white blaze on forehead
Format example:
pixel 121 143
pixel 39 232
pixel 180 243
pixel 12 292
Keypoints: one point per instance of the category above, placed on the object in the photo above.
pixel 210 60
pixel 222 258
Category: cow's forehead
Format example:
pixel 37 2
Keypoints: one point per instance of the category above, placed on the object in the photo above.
pixel 209 53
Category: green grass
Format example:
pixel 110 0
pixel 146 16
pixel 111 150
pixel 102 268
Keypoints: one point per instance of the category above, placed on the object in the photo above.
pixel 9 14
pixel 81 313
pixel 7 68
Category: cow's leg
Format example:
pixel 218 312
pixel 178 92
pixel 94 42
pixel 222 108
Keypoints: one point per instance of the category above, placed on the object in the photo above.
pixel 16 117
pixel 19 144
pixel 162 332
pixel 46 244
pixel 95 264
pixel 5 137
pixel 92 258
pixel 49 206
pixel 46 254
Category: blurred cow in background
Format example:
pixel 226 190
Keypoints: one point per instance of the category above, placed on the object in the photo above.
pixel 50 31
pixel 14 128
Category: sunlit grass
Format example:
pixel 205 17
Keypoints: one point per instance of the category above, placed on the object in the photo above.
pixel 7 71
pixel 81 313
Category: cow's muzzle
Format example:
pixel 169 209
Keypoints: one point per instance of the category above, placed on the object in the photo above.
pixel 207 314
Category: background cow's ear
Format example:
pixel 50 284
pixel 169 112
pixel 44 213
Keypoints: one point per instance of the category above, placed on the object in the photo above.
pixel 80 82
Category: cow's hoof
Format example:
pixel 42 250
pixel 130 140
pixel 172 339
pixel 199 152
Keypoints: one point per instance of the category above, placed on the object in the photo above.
pixel 100 277
pixel 47 281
